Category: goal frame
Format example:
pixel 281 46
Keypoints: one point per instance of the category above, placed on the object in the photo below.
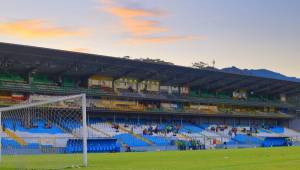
pixel 59 99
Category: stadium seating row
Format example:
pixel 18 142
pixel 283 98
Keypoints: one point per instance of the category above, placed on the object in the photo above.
pixel 97 145
pixel 142 133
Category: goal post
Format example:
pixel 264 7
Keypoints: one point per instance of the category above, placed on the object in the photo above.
pixel 85 132
pixel 47 134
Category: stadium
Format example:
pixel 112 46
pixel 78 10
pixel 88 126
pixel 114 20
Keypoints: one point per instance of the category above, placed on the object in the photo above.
pixel 57 106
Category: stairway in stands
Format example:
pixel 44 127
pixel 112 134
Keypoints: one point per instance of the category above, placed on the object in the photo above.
pixel 99 131
pixel 15 137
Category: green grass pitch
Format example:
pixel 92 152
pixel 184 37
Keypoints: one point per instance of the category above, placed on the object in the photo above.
pixel 287 158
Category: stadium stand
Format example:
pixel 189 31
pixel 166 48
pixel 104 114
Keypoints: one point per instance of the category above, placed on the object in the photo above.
pixel 132 103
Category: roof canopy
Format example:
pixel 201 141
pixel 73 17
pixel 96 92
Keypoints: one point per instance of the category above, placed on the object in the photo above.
pixel 25 59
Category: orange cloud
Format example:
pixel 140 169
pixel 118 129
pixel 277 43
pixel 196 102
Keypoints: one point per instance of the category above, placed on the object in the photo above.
pixel 36 29
pixel 164 39
pixel 142 25
pixel 135 21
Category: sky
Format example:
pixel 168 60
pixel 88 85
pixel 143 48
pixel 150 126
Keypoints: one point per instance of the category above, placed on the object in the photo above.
pixel 251 34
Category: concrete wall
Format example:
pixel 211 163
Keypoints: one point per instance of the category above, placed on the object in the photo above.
pixel 295 124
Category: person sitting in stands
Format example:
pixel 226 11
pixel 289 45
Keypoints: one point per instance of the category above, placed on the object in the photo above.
pixel 156 130
pixel 169 129
pixel 47 125
pixel 244 130
pixel 150 130
pixel 115 126
pixel 235 131
pixel 145 132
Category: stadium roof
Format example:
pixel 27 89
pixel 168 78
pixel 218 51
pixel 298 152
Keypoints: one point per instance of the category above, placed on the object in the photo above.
pixel 25 59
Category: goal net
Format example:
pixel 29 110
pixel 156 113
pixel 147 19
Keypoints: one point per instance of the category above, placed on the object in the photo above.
pixel 46 134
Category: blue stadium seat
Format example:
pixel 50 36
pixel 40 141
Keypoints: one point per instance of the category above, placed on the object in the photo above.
pixel 157 140
pixel 130 140
pixel 273 141
pixel 95 145
pixel 277 129
pixel 245 139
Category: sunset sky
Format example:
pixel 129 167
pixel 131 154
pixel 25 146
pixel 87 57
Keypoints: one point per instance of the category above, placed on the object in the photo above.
pixel 244 33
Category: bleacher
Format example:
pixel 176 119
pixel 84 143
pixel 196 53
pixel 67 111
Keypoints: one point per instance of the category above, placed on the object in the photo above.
pixel 68 82
pixel 9 77
pixel 199 132
pixel 130 140
pixel 11 147
pixel 245 139
pixel 39 127
pixel 275 141
pixel 43 84
pixel 134 133
pixel 190 128
pixel 277 129
pixel 39 137
pixel 160 134
pixel 93 145
pixel 42 80
pixel 158 140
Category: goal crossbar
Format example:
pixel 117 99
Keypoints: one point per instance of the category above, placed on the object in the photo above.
pixel 23 106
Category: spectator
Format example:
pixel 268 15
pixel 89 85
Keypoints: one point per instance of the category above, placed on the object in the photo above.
pixel 127 148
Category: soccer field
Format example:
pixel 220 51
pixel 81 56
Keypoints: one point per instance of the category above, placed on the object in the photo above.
pixel 287 158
